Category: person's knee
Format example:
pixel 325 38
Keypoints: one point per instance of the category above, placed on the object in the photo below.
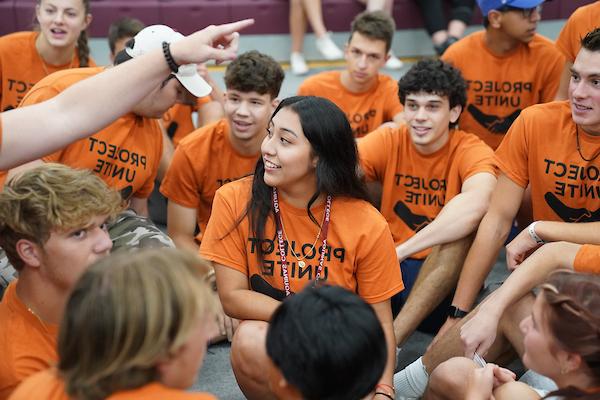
pixel 447 377
pixel 515 390
pixel 248 346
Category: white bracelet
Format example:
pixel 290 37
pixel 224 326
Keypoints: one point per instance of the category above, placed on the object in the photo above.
pixel 533 235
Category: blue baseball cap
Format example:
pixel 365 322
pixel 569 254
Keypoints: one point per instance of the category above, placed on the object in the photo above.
pixel 489 5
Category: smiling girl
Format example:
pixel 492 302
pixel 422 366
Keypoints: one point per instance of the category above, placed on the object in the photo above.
pixel 303 217
pixel 60 43
pixel 560 340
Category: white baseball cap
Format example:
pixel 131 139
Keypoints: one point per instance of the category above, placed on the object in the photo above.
pixel 151 38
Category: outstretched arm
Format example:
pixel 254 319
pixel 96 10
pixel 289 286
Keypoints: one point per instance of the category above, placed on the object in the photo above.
pixel 550 231
pixel 88 106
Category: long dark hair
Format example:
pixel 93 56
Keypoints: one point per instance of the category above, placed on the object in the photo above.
pixel 573 315
pixel 330 135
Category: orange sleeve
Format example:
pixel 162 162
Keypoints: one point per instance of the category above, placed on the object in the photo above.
pixel 568 39
pixel 378 273
pixel 200 101
pixel 180 184
pixel 587 259
pixel 512 155
pixel 307 88
pixel 373 151
pixel 475 158
pixel 223 241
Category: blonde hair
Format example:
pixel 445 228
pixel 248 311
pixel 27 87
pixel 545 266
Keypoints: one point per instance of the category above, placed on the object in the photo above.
pixel 126 313
pixel 51 197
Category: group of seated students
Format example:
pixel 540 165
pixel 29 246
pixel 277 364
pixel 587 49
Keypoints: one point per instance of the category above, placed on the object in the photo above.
pixel 332 224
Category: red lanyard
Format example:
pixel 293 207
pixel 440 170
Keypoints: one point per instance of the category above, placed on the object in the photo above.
pixel 323 235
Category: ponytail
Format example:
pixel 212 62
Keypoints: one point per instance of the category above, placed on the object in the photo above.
pixel 83 49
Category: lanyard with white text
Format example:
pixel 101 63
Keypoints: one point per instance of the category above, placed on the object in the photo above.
pixel 323 235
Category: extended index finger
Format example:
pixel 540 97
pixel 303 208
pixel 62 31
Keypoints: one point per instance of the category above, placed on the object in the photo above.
pixel 221 31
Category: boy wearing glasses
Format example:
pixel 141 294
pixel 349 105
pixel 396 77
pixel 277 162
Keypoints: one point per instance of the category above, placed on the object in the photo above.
pixel 507 66
pixel 368 98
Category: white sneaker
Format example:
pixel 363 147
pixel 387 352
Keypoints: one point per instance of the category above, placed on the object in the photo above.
pixel 393 62
pixel 297 64
pixel 328 48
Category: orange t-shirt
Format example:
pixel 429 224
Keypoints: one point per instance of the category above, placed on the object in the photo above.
pixel 178 122
pixel 541 149
pixel 587 259
pixel 417 186
pixel 48 386
pixel 500 87
pixel 27 345
pixel 125 154
pixel 360 253
pixel 203 162
pixel 585 19
pixel 365 111
pixel 21 67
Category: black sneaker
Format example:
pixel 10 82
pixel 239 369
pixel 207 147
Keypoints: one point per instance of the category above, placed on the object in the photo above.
pixel 442 47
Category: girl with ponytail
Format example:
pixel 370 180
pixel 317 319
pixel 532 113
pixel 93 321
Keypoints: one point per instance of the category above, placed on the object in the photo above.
pixel 59 42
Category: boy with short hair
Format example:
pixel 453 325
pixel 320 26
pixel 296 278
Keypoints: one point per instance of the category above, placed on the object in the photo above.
pixel 436 184
pixel 325 343
pixel 120 32
pixel 507 66
pixel 368 98
pixel 222 151
pixel 53 225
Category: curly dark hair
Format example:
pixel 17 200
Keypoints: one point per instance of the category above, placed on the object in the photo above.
pixel 254 72
pixel 434 77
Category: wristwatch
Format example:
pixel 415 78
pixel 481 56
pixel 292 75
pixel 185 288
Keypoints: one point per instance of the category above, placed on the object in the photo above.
pixel 457 313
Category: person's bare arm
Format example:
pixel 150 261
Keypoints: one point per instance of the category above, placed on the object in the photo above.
pixel 384 313
pixel 140 206
pixel 565 78
pixel 479 333
pixel 181 225
pixel 238 300
pixel 22 168
pixel 492 233
pixel 459 217
pixel 399 118
pixel 75 113
pixel 167 154
pixel 550 231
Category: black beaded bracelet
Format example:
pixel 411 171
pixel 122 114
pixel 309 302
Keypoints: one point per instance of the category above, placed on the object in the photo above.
pixel 385 394
pixel 169 57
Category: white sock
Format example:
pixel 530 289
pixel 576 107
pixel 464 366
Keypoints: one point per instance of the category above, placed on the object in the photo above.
pixel 412 381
